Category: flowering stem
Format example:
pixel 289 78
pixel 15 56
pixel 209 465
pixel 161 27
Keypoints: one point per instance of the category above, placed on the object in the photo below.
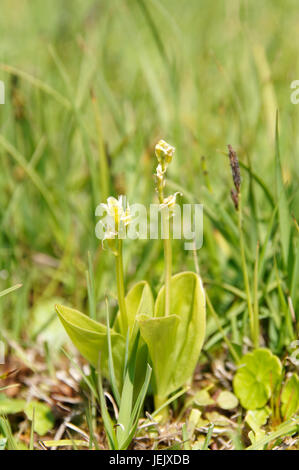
pixel 252 322
pixel 167 252
pixel 121 288
pixel 164 153
pixel 168 266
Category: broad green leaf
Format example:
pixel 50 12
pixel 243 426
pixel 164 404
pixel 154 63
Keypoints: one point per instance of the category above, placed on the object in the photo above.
pixel 43 417
pixel 139 300
pixel 90 338
pixel 290 397
pixel 256 378
pixel 159 335
pixel 175 341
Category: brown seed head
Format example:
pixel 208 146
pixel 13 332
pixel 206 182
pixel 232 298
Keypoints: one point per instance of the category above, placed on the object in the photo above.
pixel 234 163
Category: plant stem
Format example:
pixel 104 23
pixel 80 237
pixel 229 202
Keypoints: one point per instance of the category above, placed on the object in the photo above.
pixel 121 288
pixel 167 269
pixel 254 335
pixel 167 252
pixel 256 323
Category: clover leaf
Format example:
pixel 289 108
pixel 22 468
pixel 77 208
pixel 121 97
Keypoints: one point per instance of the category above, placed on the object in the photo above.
pixel 256 378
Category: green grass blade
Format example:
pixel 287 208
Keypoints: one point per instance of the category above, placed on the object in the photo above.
pixel 7 432
pixel 37 83
pixel 110 360
pixel 10 289
pixel 138 407
pixel 186 439
pixel 208 437
pixel 108 424
pixel 281 198
pixel 127 394
pixel 295 275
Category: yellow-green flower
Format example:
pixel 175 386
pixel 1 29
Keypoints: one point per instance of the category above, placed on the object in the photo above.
pixel 119 213
pixel 170 201
pixel 164 153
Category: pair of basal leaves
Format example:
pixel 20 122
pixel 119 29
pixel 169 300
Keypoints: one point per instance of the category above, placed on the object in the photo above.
pixel 171 344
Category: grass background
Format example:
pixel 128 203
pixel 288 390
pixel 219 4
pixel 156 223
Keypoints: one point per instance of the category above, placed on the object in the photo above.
pixel 91 80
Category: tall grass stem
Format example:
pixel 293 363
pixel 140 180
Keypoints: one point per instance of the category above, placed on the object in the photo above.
pixel 254 337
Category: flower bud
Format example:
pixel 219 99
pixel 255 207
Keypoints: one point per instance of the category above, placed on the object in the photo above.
pixel 164 153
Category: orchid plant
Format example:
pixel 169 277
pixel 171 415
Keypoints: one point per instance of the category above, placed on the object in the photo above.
pixel 167 331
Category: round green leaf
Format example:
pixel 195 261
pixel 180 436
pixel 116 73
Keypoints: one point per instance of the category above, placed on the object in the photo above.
pixel 43 417
pixel 256 378
pixel 227 400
